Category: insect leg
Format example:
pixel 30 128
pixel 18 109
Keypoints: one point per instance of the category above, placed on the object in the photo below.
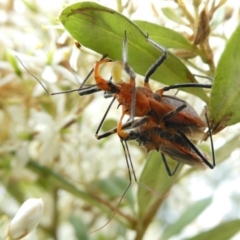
pixel 170 173
pixel 174 112
pixel 131 74
pixel 103 118
pixel 210 165
pixel 128 159
pixel 101 82
pixel 186 85
pixel 90 73
pixel 159 61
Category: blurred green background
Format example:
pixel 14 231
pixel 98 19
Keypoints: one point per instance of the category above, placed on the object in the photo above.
pixel 48 147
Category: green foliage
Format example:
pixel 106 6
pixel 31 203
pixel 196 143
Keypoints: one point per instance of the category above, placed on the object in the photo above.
pixel 224 104
pixel 224 231
pixel 79 227
pixel 191 213
pixel 156 178
pixel 108 39
pixel 166 36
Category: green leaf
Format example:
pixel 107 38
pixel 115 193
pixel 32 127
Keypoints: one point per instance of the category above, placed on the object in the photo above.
pixel 222 232
pixel 54 180
pixel 109 124
pixel 14 63
pixel 225 100
pixel 102 30
pixel 219 17
pixel 170 13
pixel 165 36
pixel 155 185
pixel 50 57
pixel 32 6
pixel 80 229
pixel 191 213
pixel 115 186
pixel 155 177
pixel 224 152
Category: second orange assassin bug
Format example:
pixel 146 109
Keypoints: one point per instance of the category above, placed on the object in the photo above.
pixel 173 144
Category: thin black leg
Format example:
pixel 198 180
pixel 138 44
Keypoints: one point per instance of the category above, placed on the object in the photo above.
pixel 170 173
pixel 131 74
pixel 159 61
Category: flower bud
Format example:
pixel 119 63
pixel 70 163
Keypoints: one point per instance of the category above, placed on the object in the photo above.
pixel 26 219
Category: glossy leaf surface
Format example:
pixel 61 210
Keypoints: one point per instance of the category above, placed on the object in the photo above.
pixel 191 213
pixel 155 177
pixel 165 36
pixel 221 232
pixel 102 30
pixel 225 101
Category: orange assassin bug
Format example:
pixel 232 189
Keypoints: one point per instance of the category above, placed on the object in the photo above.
pixel 164 115
pixel 173 144
pixel 170 113
pixel 164 120
pixel 179 119
pixel 166 111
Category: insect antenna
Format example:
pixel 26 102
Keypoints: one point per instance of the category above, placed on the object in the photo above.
pixel 82 91
pixel 33 76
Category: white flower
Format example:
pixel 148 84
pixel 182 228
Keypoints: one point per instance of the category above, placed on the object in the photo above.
pixel 26 219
